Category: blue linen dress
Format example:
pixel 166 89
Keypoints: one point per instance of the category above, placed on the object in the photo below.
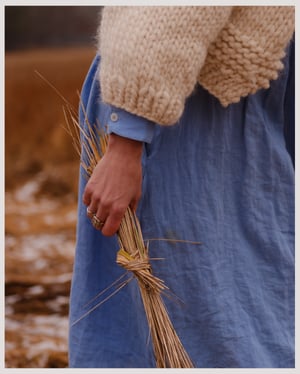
pixel 220 176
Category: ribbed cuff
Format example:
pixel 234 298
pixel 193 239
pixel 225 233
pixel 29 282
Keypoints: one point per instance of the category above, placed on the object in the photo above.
pixel 155 104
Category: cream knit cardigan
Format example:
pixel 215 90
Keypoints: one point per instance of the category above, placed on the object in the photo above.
pixel 153 56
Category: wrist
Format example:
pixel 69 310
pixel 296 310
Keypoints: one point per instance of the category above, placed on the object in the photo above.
pixel 125 145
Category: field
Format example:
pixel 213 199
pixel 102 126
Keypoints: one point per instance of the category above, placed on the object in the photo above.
pixel 41 169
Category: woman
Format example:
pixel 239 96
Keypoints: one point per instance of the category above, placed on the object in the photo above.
pixel 196 102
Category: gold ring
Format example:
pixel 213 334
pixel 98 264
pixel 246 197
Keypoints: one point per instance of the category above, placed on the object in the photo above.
pixel 89 213
pixel 97 223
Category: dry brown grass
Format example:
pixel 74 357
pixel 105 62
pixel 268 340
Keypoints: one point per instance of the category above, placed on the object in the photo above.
pixel 34 137
pixel 37 145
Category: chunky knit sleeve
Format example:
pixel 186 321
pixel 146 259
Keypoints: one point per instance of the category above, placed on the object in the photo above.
pixel 248 51
pixel 151 56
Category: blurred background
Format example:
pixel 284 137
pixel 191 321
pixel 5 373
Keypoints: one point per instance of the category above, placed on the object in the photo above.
pixel 41 169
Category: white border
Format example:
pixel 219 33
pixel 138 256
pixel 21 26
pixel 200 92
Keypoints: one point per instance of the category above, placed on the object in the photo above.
pixel 2 191
pixel 151 2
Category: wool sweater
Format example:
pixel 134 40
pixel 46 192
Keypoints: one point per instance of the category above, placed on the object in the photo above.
pixel 152 57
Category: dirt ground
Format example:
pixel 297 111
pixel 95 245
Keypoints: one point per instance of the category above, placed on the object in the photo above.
pixel 41 169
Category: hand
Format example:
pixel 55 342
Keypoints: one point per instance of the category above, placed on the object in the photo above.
pixel 115 183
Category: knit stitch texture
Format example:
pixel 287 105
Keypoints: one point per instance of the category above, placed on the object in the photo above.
pixel 152 57
pixel 247 53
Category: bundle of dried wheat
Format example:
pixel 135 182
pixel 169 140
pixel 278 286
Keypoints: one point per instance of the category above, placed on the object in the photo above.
pixel 133 254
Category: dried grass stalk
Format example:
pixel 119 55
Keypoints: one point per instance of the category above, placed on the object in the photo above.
pixel 133 255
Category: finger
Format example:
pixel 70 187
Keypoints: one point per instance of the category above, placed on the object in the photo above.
pixel 97 223
pixel 87 195
pixel 134 204
pixel 135 201
pixel 89 212
pixel 102 212
pixel 93 208
pixel 112 222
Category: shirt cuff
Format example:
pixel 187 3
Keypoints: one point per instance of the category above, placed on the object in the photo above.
pixel 129 125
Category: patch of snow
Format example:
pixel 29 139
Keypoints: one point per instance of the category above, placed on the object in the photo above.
pixel 39 206
pixel 11 324
pixel 57 278
pixel 10 241
pixel 32 247
pixel 44 346
pixel 9 346
pixel 57 303
pixel 27 191
pixel 50 325
pixel 50 219
pixel 23 224
pixel 71 216
pixel 9 310
pixel 35 290
pixel 62 300
pixel 12 299
pixel 41 263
